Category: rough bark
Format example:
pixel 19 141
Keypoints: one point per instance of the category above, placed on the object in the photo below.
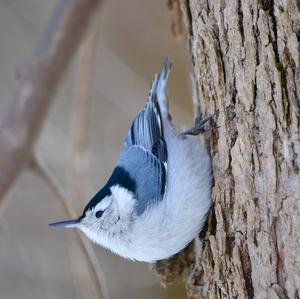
pixel 245 63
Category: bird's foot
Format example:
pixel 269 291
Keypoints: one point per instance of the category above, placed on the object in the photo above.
pixel 200 126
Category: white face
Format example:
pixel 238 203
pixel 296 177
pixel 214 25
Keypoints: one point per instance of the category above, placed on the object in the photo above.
pixel 111 215
pixel 102 217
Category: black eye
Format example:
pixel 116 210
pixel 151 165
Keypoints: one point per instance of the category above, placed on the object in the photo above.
pixel 99 214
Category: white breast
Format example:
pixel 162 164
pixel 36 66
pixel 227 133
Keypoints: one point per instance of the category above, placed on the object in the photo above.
pixel 168 227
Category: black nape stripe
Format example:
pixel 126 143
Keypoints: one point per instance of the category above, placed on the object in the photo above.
pixel 119 177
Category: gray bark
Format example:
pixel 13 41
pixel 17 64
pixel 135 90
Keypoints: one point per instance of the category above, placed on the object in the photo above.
pixel 245 63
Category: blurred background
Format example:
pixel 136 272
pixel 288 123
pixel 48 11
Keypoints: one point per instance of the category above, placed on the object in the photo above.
pixel 37 261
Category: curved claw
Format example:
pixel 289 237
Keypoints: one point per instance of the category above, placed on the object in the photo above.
pixel 200 126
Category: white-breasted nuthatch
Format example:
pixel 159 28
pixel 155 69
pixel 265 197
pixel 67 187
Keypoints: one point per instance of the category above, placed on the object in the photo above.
pixel 159 194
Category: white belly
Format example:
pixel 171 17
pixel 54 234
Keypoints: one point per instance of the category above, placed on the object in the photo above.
pixel 170 226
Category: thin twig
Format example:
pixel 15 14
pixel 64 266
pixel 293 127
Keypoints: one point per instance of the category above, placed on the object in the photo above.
pixel 48 177
pixel 176 19
pixel 79 126
pixel 37 85
pixel 81 113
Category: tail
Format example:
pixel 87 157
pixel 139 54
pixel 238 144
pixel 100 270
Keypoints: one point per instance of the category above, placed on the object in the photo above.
pixel 159 89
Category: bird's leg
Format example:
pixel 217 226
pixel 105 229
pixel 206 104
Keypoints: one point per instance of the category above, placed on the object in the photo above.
pixel 200 126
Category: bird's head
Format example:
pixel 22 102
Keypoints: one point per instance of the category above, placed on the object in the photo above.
pixel 109 212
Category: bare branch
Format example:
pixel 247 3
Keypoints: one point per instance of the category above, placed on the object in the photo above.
pixel 37 165
pixel 81 113
pixel 37 86
pixel 79 126
pixel 176 19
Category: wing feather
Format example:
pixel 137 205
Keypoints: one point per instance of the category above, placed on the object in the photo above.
pixel 145 151
pixel 142 165
pixel 148 173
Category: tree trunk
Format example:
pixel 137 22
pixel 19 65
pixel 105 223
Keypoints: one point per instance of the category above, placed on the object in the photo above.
pixel 245 62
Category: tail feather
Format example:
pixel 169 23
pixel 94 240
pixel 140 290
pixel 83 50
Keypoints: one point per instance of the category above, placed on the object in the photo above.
pixel 159 89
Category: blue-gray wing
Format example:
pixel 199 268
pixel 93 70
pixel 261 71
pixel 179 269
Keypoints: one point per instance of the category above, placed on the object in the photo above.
pixel 147 129
pixel 142 166
pixel 148 174
pixel 145 152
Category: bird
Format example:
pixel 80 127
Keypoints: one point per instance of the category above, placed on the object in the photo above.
pixel 158 196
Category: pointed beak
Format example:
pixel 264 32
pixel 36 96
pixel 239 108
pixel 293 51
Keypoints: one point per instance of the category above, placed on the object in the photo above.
pixel 67 223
